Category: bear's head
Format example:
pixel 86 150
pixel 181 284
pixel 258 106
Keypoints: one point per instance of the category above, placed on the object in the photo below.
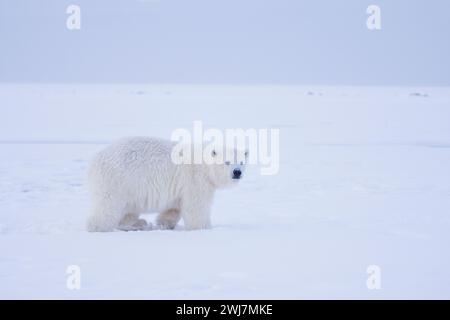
pixel 226 168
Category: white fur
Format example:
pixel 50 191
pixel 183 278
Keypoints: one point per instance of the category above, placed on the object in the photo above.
pixel 137 175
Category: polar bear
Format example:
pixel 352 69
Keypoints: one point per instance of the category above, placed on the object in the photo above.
pixel 138 175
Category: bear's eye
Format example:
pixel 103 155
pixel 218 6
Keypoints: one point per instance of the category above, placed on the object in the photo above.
pixel 246 153
pixel 213 153
pixel 227 163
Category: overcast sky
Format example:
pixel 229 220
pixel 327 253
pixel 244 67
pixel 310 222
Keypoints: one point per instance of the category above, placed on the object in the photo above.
pixel 226 41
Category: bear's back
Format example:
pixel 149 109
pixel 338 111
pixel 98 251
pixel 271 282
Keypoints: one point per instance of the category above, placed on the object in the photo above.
pixel 133 159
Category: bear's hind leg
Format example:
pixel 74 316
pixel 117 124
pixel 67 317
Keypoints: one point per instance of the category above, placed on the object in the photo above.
pixel 131 222
pixel 105 215
pixel 103 221
pixel 168 219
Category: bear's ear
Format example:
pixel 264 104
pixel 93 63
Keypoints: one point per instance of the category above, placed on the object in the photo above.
pixel 214 153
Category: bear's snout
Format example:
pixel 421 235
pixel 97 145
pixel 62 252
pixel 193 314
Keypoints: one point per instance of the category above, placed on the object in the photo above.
pixel 237 173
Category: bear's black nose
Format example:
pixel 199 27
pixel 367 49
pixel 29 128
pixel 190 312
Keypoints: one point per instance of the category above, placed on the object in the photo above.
pixel 237 173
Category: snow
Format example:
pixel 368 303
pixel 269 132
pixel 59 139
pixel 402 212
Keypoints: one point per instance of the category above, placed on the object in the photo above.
pixel 364 180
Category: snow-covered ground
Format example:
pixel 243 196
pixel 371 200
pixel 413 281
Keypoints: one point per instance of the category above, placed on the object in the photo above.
pixel 364 180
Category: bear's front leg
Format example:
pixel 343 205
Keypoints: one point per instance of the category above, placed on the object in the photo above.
pixel 197 216
pixel 168 219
